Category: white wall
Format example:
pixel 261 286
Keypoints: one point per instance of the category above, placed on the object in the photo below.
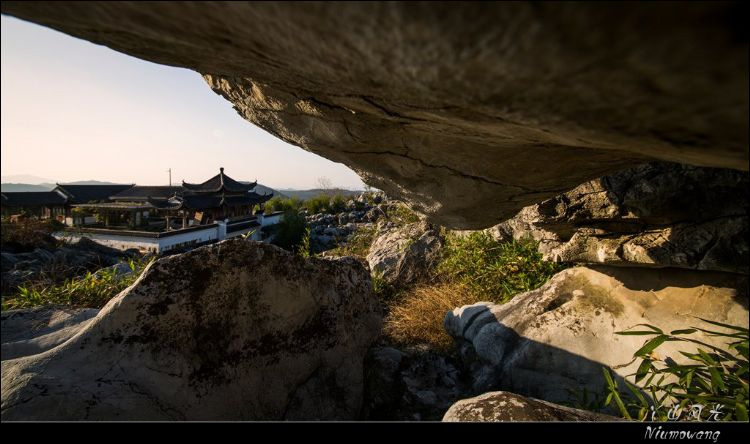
pixel 185 239
pixel 271 219
pixel 115 241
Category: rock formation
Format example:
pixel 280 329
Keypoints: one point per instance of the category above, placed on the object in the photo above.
pixel 469 112
pixel 233 331
pixel 410 385
pixel 403 255
pixel 551 343
pixel 654 215
pixel 504 406
pixel 32 331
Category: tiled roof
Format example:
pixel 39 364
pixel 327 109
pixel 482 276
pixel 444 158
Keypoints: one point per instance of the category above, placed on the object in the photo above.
pixel 80 194
pixel 33 199
pixel 219 182
pixel 144 193
pixel 198 201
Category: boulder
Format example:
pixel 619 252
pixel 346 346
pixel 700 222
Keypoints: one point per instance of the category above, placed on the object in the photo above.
pixel 404 255
pixel 237 330
pixel 655 215
pixel 467 112
pixel 27 332
pixel 505 406
pixel 412 384
pixel 551 343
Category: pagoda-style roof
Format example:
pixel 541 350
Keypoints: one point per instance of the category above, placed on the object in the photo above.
pixel 81 194
pixel 219 183
pixel 33 199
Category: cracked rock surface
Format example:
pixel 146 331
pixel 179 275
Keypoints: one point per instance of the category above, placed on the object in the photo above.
pixel 551 343
pixel 468 112
pixel 234 331
pixel 654 215
pixel 505 406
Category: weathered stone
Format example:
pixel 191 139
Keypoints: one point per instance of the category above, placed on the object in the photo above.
pixel 551 343
pixel 404 255
pixel 402 384
pixel 505 406
pixel 468 112
pixel 238 330
pixel 659 215
pixel 27 332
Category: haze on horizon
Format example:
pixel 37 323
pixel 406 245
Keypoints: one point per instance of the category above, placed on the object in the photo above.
pixel 72 111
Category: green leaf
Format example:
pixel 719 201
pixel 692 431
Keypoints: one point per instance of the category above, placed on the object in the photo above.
pixel 686 331
pixel 643 370
pixel 740 411
pixel 650 346
pixel 731 327
pixel 716 381
pixel 636 333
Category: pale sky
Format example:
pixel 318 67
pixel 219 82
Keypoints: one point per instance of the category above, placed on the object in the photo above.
pixel 72 110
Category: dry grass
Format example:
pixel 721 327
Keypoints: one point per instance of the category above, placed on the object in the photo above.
pixel 416 316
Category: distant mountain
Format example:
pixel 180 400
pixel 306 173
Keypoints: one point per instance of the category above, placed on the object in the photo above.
pixel 22 179
pixel 24 187
pixel 307 194
pixel 262 189
pixel 90 182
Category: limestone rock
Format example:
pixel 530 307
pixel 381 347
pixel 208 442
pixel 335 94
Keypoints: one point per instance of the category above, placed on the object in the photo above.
pixel 27 332
pixel 505 406
pixel 404 255
pixel 411 384
pixel 468 112
pixel 238 330
pixel 655 215
pixel 551 343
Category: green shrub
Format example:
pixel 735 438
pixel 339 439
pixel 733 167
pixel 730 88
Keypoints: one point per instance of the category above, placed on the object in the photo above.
pixel 318 204
pixel 30 233
pixel 93 290
pixel 472 269
pixel 401 214
pixel 714 376
pixel 358 244
pixel 492 270
pixel 337 203
pixel 279 204
pixel 290 230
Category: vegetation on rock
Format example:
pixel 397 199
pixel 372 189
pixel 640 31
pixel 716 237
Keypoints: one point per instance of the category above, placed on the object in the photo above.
pixel 712 386
pixel 29 234
pixel 93 290
pixel 473 268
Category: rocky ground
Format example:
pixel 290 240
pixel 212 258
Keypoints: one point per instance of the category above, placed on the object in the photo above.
pixel 556 121
pixel 53 264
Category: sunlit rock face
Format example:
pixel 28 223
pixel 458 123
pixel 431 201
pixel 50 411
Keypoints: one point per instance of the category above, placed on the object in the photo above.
pixel 655 215
pixel 468 112
pixel 238 330
pixel 551 343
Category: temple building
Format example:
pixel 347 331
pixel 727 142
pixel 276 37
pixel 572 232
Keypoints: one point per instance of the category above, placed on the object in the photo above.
pixel 151 218
pixel 219 198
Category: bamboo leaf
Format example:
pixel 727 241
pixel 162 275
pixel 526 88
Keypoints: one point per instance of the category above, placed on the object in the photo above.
pixel 650 345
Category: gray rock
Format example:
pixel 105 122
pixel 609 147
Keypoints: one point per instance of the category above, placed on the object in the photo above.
pixel 468 112
pixel 505 406
pixel 27 332
pixel 238 330
pixel 404 255
pixel 552 343
pixel 402 384
pixel 656 215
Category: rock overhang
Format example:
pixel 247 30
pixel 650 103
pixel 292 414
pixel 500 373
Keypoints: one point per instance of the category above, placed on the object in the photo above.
pixel 469 112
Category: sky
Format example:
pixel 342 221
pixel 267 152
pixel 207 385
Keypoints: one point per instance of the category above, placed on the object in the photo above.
pixel 72 110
